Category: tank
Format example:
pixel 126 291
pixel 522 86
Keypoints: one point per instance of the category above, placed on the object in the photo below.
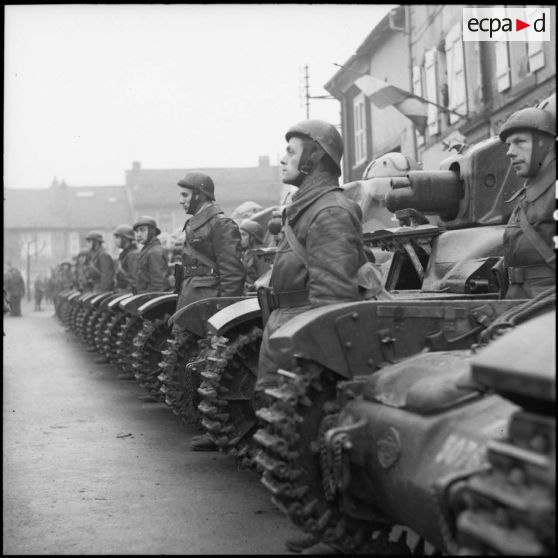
pixel 444 299
pixel 445 246
pixel 449 452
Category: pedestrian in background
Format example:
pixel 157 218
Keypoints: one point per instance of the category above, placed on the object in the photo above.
pixel 39 291
pixel 15 287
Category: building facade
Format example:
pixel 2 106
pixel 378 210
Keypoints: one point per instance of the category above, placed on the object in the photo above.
pixel 43 227
pixel 419 48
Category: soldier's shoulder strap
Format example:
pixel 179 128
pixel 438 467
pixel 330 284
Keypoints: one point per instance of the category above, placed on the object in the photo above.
pixel 536 240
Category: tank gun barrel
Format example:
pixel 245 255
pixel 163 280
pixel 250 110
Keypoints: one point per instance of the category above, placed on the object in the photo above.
pixel 430 192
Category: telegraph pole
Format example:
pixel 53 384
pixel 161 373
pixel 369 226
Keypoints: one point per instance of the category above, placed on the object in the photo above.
pixel 307 95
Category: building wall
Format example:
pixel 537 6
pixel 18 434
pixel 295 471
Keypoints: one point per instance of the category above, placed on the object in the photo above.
pixel 431 60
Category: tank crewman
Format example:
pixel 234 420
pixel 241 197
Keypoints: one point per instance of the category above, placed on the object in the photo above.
pixel 211 256
pixel 251 237
pixel 326 226
pixel 127 264
pixel 100 268
pixel 153 266
pixel 529 257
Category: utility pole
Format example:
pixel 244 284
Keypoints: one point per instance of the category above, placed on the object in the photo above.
pixel 307 95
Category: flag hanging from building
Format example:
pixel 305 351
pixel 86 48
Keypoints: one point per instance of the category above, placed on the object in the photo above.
pixel 383 94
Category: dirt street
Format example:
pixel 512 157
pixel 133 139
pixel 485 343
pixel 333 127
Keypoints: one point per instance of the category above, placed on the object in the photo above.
pixel 90 469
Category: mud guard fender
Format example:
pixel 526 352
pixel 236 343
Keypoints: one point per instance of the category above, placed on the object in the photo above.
pixel 312 335
pixel 131 304
pixel 114 303
pixel 158 306
pixel 194 316
pixel 96 301
pixel 240 312
pixel 357 338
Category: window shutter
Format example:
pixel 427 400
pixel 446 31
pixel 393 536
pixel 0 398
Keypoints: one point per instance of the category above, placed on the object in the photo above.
pixel 457 88
pixel 431 90
pixel 417 90
pixel 535 52
pixel 360 129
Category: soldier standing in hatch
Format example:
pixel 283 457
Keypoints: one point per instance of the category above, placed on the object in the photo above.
pixel 211 257
pixel 153 266
pixel 127 264
pixel 100 269
pixel 326 226
pixel 529 257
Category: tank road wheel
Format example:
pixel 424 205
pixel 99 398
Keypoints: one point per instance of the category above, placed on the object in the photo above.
pixel 227 390
pixel 125 344
pixel 176 392
pixel 110 336
pixel 148 344
pixel 290 457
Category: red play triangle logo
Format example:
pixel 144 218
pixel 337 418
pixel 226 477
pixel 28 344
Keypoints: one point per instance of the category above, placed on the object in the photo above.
pixel 519 25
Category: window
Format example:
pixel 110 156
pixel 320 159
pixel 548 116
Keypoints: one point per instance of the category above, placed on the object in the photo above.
pixel 457 88
pixel 359 119
pixel 417 90
pixel 535 52
pixel 431 90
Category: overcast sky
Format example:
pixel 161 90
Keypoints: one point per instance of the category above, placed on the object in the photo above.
pixel 91 88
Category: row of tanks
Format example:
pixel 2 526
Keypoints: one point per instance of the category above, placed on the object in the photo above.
pixel 422 423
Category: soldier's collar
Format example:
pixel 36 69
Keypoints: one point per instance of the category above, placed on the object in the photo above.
pixel 203 216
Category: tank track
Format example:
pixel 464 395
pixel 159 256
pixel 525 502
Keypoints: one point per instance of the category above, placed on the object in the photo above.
pixel 90 325
pixel 76 317
pixel 72 313
pixel 289 456
pixel 177 394
pixel 124 345
pixel 100 329
pixel 510 508
pixel 226 390
pixel 110 336
pixel 147 354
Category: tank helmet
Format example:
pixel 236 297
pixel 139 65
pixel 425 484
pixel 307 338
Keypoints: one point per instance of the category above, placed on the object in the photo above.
pixel 253 229
pixel 95 235
pixel 200 182
pixel 124 231
pixel 149 221
pixel 324 134
pixel 531 118
pixel 390 165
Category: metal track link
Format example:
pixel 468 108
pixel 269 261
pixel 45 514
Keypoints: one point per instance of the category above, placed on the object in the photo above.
pixel 226 389
pixel 124 345
pixel 175 355
pixel 285 449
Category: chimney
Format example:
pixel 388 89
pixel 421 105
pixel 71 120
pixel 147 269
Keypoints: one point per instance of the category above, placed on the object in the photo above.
pixel 263 161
